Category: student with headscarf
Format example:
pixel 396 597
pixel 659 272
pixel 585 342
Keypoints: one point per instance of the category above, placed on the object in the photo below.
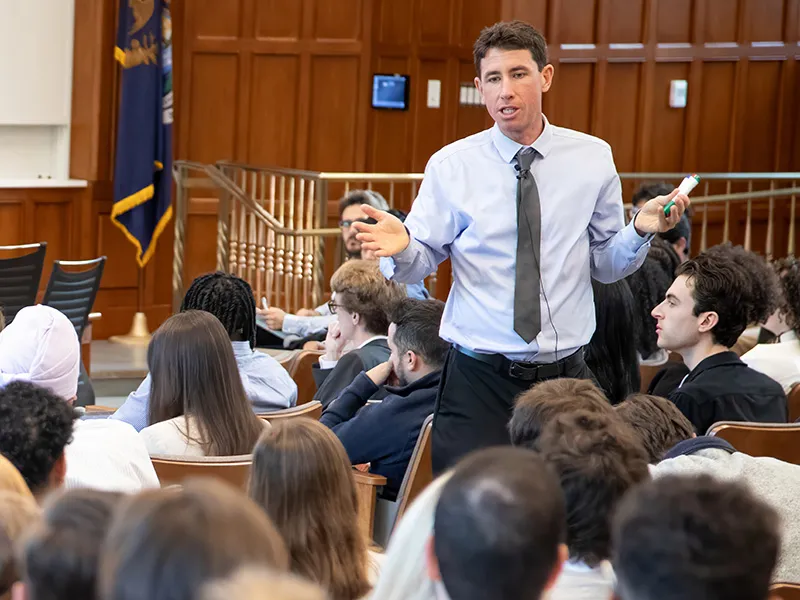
pixel 40 346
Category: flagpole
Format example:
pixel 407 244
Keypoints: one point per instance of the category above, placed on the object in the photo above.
pixel 139 335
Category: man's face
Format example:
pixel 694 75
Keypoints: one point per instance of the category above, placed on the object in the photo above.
pixel 397 360
pixel 512 86
pixel 349 215
pixel 677 325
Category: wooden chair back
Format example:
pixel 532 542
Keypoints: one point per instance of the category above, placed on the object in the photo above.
pixel 646 374
pixel 303 376
pixel 793 400
pixel 776 440
pixel 309 410
pixel 175 469
pixel 419 473
pixel 785 591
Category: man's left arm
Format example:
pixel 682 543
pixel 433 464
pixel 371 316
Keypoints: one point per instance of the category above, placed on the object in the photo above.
pixel 346 405
pixel 617 250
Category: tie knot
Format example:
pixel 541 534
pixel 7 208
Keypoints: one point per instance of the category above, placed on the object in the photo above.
pixel 525 158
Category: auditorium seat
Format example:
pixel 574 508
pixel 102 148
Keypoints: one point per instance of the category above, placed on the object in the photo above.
pixel 231 469
pixel 309 410
pixel 303 376
pixel 418 475
pixel 20 276
pixel 776 440
pixel 785 591
pixel 793 400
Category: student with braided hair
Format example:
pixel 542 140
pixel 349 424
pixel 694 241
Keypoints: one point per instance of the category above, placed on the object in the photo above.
pixel 230 299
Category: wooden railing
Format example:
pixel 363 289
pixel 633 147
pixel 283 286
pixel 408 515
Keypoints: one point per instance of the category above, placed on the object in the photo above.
pixel 272 223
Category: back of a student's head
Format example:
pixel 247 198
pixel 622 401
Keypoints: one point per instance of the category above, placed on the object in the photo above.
pixel 611 353
pixel 657 422
pixel 499 527
pixel 535 408
pixel 35 427
pixel 166 544
pixel 788 271
pixel 301 476
pixel 227 297
pixel 681 538
pixel 194 371
pixel 414 329
pixel 361 289
pixel 18 514
pixel 597 460
pixel 649 190
pixel 256 583
pixel 60 556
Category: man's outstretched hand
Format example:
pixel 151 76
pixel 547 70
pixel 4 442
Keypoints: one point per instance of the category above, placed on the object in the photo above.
pixel 651 218
pixel 387 237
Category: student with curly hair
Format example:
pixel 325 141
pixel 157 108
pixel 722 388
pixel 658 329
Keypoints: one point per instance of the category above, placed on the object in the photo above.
pixel 781 360
pixel 713 299
pixel 230 299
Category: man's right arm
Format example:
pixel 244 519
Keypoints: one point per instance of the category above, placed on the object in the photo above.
pixel 134 410
pixel 352 398
pixel 432 226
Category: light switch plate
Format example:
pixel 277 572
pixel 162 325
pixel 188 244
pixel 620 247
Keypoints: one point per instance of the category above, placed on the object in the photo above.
pixel 434 93
pixel 678 92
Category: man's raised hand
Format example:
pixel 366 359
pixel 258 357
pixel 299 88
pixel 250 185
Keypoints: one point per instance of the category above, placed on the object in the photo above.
pixel 386 237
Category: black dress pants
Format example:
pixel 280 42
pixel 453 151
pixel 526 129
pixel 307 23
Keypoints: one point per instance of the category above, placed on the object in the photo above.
pixel 474 404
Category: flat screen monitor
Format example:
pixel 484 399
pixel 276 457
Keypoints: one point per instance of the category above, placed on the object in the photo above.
pixel 390 91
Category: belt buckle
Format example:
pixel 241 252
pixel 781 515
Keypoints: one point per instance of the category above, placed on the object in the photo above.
pixel 521 371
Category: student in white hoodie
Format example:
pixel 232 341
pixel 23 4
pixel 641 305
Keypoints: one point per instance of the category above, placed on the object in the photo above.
pixel 676 451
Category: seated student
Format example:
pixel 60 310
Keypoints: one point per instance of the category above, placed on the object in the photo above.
pixel 498 529
pixel 714 297
pixel 60 556
pixel 665 548
pixel 41 346
pixel 303 480
pixel 385 434
pixel 35 428
pixel 229 298
pixel 597 460
pixel 542 403
pixel 611 353
pixel 781 361
pixel 257 583
pixel 404 572
pixel 649 285
pixel 167 544
pixel 198 405
pixel 671 438
pixel 363 300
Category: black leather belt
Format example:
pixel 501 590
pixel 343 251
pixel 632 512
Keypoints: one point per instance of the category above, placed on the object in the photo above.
pixel 526 371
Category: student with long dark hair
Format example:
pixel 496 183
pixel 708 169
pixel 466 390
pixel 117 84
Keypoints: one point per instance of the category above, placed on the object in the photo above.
pixel 611 354
pixel 198 405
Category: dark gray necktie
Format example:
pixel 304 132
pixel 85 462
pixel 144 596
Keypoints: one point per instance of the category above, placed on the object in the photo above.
pixel 527 317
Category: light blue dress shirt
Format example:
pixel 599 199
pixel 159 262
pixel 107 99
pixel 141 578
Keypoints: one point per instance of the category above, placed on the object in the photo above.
pixel 267 384
pixel 466 210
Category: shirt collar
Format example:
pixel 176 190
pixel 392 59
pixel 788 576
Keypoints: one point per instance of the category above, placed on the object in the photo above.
pixel 508 148
pixel 715 360
pixel 370 340
pixel 702 442
pixel 241 349
pixel 788 336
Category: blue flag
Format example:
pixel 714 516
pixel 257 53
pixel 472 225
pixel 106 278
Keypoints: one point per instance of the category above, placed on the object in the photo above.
pixel 142 172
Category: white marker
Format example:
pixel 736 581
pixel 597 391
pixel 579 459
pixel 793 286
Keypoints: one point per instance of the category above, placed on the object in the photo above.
pixel 687 185
pixel 264 304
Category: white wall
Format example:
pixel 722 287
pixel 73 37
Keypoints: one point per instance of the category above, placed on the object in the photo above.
pixel 36 40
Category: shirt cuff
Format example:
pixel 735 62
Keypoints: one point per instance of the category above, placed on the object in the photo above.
pixel 293 324
pixel 632 239
pixel 327 364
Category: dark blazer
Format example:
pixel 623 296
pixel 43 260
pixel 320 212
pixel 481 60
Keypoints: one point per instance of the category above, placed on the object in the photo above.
pixel 331 382
pixel 723 388
pixel 382 434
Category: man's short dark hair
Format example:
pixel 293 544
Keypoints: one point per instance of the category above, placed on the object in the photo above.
pixel 649 190
pixel 736 284
pixel 788 270
pixel 417 329
pixel 373 199
pixel 513 35
pixel 536 407
pixel 598 459
pixel 61 555
pixel 694 537
pixel 657 421
pixel 498 525
pixel 35 427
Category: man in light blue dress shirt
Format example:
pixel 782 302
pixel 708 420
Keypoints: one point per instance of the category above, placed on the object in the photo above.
pixel 229 298
pixel 466 210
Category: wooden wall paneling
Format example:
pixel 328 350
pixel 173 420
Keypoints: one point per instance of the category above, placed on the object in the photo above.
pixel 674 18
pixel 430 124
pixel 716 110
pixel 534 12
pixel 665 152
pixel 759 128
pixel 722 20
pixel 576 21
pixel 287 27
pixel 213 105
pixel 12 221
pixel 571 95
pixel 212 19
pixel 618 120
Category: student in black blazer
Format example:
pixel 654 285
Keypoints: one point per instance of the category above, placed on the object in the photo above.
pixel 356 341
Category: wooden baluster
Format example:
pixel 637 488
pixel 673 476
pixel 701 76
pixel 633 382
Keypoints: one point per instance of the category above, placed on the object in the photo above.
pixel 298 245
pixel 289 272
pixel 391 194
pixel 234 234
pixel 770 218
pixel 704 230
pixel 790 245
pixel 748 226
pixel 270 259
pixel 308 243
pixel 726 228
pixel 251 249
pixel 280 242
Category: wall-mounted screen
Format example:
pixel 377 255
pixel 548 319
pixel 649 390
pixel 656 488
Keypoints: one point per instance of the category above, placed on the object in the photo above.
pixel 390 91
